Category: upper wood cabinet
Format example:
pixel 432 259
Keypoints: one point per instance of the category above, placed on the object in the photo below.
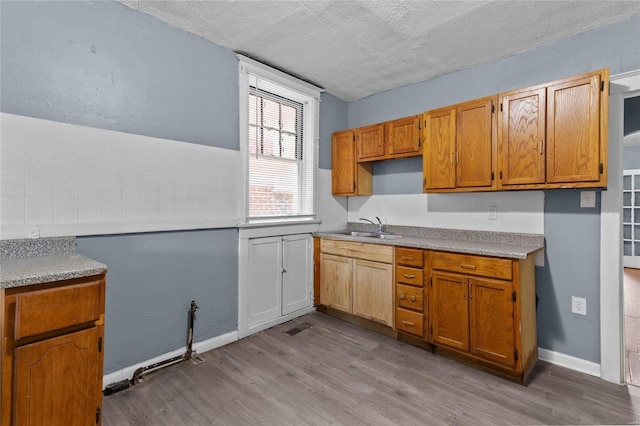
pixel 404 136
pixel 392 139
pixel 552 135
pixel 555 135
pixel 439 156
pixel 521 132
pixel 348 177
pixel 573 130
pixel 370 142
pixel 460 147
pixel 475 137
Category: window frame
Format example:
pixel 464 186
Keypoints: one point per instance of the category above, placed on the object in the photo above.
pixel 252 73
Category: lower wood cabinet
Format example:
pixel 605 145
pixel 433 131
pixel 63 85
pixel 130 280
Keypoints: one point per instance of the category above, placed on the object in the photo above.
pixel 484 309
pixel 52 353
pixel 411 306
pixel 478 309
pixel 357 278
pixel 373 291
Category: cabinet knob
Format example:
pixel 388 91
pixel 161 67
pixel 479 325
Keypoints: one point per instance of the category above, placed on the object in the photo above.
pixel 401 296
pixel 412 298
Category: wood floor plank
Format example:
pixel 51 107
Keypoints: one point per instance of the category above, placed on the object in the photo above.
pixel 336 373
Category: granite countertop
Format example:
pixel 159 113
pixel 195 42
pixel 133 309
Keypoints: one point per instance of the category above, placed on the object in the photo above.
pixel 25 262
pixel 487 243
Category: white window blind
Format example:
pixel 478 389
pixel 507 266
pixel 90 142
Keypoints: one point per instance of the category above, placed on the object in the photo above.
pixel 279 125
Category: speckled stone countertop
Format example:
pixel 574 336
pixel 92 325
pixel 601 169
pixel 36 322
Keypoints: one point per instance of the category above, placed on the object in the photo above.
pixel 41 260
pixel 499 244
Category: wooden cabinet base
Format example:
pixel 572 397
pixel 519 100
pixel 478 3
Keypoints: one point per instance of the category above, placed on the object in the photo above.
pixel 484 365
pixel 52 352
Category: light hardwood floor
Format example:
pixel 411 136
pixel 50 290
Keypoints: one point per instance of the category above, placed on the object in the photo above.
pixel 340 374
pixel 632 325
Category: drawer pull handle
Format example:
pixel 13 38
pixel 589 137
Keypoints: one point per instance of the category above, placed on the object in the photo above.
pixel 409 275
pixel 401 296
pixel 408 323
pixel 412 298
pixel 408 258
pixel 466 266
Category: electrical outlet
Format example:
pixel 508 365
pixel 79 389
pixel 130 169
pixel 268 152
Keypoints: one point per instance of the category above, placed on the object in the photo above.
pixel 579 305
pixel 493 212
pixel 587 199
pixel 33 232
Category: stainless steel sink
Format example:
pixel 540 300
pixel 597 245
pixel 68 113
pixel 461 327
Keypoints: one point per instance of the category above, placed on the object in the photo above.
pixel 370 235
pixel 386 236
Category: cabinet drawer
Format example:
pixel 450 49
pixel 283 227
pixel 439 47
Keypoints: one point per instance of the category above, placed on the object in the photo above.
pixel 409 257
pixel 358 250
pixel 410 322
pixel 409 275
pixel 52 309
pixel 472 265
pixel 410 297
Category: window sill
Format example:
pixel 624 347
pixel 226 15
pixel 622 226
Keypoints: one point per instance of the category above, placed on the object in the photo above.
pixel 280 227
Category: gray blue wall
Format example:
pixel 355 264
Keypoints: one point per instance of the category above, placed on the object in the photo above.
pixel 103 65
pixel 572 234
pixel 151 281
pixel 333 117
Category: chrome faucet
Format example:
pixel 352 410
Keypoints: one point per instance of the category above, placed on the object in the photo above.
pixel 377 225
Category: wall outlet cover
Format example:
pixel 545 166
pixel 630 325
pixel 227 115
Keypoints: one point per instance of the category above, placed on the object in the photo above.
pixel 493 212
pixel 579 305
pixel 588 199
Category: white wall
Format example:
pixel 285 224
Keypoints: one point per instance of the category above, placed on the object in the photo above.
pixel 62 179
pixel 517 211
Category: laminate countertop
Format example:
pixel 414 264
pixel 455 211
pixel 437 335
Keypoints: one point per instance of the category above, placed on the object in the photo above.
pixel 486 243
pixel 26 262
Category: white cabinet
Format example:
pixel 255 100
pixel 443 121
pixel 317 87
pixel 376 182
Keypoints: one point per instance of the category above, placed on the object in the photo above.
pixel 279 277
pixel 297 281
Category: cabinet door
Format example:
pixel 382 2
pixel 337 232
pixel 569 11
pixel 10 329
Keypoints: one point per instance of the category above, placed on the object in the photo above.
pixel 265 279
pixel 370 142
pixel 57 381
pixel 474 143
pixel 373 291
pixel 439 149
pixel 343 163
pixel 335 282
pixel 404 136
pixel 521 136
pixel 573 131
pixel 449 310
pixel 492 320
pixel 297 262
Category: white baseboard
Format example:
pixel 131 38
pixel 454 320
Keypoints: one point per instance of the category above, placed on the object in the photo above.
pixel 199 347
pixel 568 361
pixel 280 320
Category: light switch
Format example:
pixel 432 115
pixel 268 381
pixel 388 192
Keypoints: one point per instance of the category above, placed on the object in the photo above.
pixel 587 199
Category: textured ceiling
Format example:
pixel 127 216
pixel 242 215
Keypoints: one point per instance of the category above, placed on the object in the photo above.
pixel 354 49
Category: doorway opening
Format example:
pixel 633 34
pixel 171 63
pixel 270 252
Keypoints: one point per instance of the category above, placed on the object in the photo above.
pixel 631 238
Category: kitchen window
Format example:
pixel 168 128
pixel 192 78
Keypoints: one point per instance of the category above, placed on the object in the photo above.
pixel 279 143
